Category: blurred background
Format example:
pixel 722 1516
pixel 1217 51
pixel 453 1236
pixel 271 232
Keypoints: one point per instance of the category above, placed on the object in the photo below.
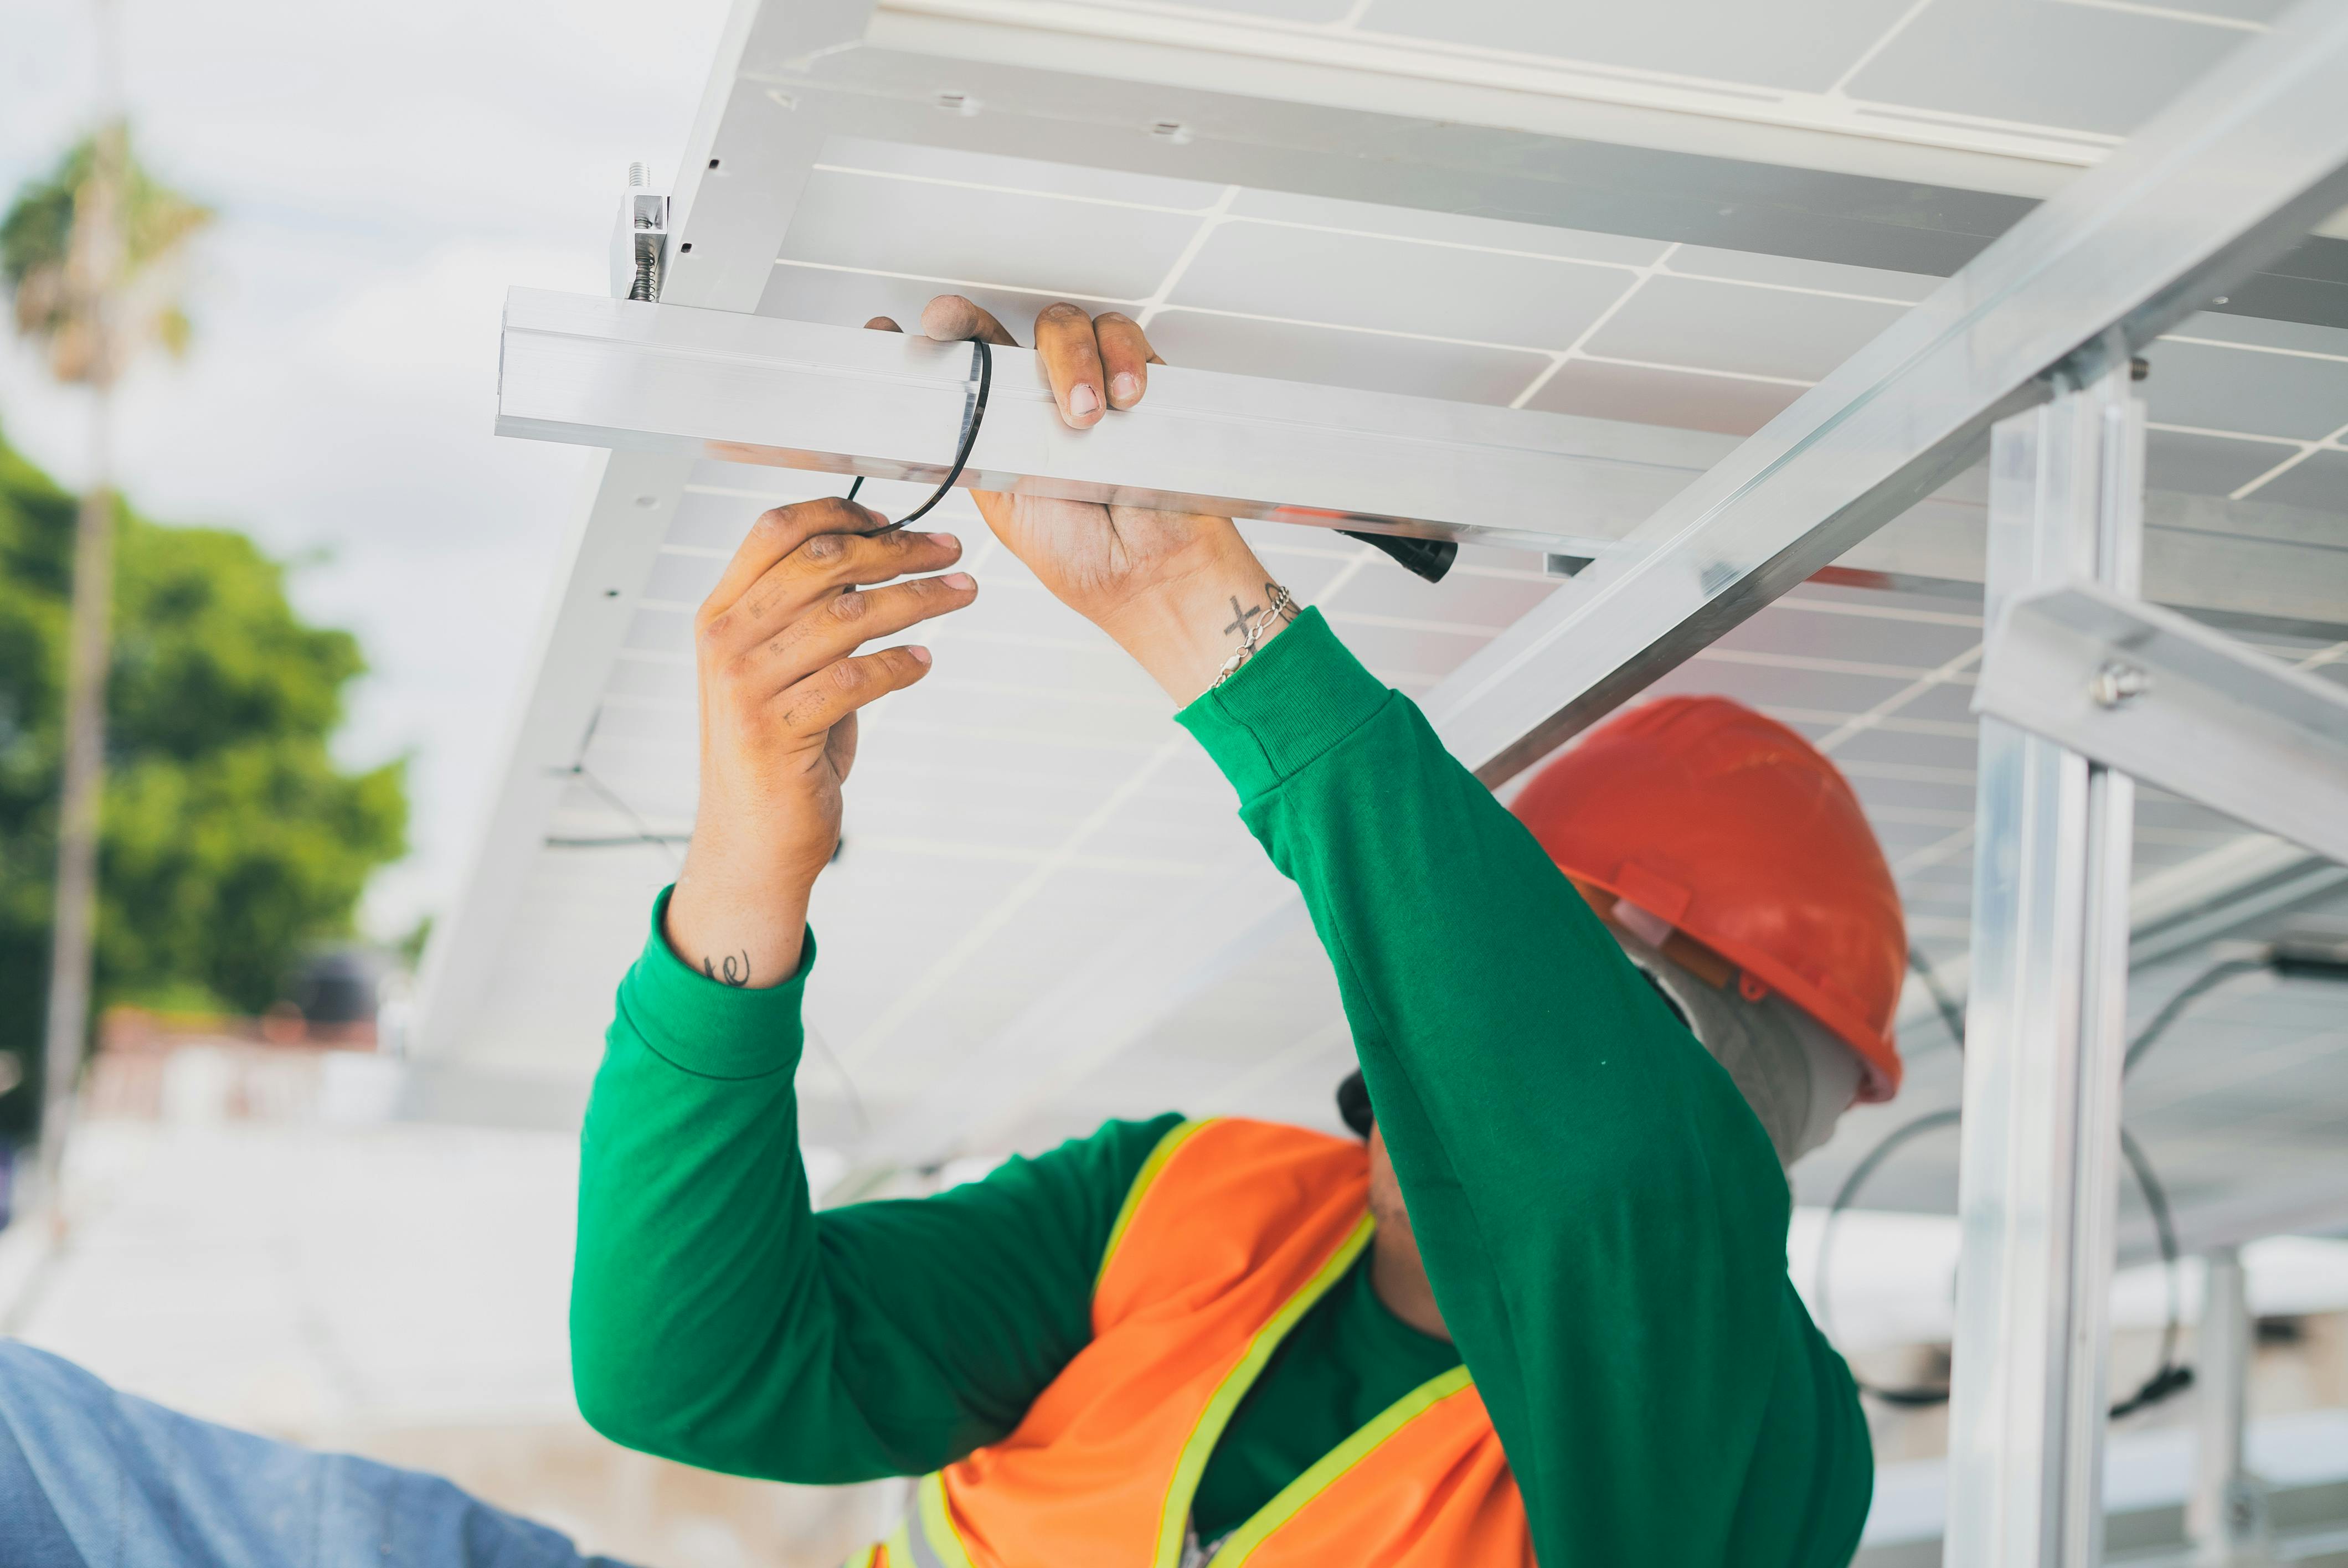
pixel 255 255
pixel 326 575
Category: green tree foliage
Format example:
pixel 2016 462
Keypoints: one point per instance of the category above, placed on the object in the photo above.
pixel 231 840
pixel 37 262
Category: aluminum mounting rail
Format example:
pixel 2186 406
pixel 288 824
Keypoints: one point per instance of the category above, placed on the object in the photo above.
pixel 603 371
pixel 800 394
pixel 2173 703
pixel 2230 175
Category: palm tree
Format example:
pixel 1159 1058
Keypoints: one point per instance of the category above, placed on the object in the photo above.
pixel 91 256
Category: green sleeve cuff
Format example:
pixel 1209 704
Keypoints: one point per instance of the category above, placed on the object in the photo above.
pixel 704 1026
pixel 1284 707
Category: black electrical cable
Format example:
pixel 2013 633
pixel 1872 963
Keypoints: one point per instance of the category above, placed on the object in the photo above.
pixel 2169 1377
pixel 969 438
pixel 2193 990
pixel 613 841
pixel 1429 559
pixel 1952 1016
pixel 1899 1136
pixel 664 842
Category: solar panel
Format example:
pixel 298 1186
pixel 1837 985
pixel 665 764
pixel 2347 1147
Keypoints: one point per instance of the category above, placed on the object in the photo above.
pixel 1030 806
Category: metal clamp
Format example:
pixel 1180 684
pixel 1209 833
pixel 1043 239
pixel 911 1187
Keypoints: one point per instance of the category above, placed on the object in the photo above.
pixel 640 239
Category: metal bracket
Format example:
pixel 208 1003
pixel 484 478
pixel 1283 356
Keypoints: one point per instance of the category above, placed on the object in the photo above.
pixel 2176 705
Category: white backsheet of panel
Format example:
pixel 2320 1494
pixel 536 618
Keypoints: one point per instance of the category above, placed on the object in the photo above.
pixel 2057 81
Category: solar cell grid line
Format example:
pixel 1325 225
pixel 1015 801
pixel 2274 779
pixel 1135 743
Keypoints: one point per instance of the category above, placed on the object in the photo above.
pixel 1579 347
pixel 2331 443
pixel 1955 671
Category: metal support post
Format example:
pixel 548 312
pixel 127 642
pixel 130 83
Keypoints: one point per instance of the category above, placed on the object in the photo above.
pixel 2037 1194
pixel 2225 1515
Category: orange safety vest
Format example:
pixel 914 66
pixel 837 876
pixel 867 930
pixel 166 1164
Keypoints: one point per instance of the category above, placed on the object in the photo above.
pixel 1230 1233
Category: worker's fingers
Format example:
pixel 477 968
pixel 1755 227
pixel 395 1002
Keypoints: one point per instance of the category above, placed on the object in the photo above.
pixel 834 692
pixel 882 324
pixel 833 628
pixel 1125 357
pixel 1065 342
pixel 950 318
pixel 775 535
pixel 822 566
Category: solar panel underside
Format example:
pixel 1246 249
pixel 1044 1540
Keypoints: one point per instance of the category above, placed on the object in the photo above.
pixel 1031 802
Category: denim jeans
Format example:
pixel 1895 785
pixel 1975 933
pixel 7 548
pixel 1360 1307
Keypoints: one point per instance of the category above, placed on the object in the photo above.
pixel 91 1478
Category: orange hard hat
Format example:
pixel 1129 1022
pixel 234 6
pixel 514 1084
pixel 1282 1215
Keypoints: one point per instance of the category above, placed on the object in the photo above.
pixel 1739 834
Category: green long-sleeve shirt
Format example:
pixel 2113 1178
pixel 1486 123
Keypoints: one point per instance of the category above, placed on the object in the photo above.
pixel 1602 1218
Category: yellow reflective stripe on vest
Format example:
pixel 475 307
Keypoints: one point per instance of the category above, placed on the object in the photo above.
pixel 1173 1521
pixel 930 1540
pixel 1176 1136
pixel 1291 1498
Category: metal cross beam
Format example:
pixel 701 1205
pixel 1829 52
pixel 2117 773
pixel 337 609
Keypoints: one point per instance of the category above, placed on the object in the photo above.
pixel 2226 178
pixel 2177 705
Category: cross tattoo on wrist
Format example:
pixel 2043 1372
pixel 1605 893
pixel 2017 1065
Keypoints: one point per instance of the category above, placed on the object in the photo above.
pixel 1240 617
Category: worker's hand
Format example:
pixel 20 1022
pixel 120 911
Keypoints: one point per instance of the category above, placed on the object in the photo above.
pixel 781 680
pixel 1164 584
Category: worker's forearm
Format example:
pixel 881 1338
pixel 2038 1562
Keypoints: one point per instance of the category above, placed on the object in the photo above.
pixel 1602 1218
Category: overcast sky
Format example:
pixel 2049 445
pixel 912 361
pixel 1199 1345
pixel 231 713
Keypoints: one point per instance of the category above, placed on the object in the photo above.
pixel 383 173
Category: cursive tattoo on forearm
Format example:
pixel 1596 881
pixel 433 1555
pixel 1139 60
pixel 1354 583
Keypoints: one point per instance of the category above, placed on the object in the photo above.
pixel 729 970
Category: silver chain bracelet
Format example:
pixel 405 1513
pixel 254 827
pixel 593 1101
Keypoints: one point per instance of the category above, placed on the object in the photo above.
pixel 1252 624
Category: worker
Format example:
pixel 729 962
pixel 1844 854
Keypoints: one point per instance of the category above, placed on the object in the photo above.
pixel 1543 1311
pixel 1538 1309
